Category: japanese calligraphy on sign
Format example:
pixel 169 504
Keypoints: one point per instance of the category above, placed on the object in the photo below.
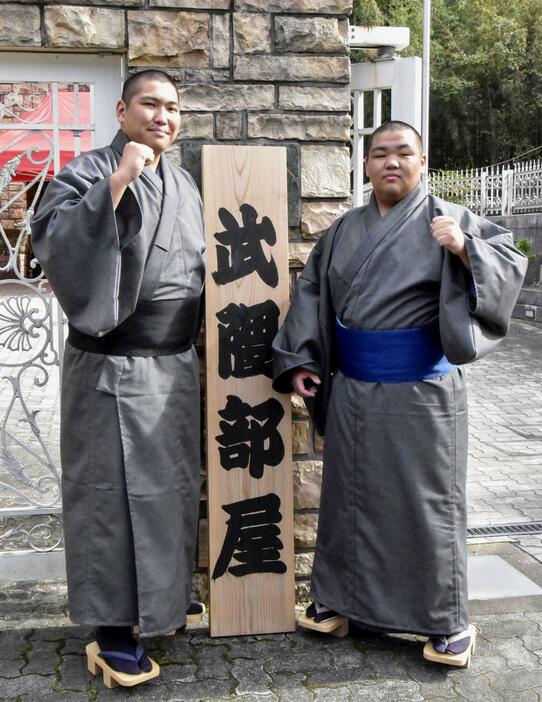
pixel 254 534
pixel 244 339
pixel 254 443
pixel 250 493
pixel 240 251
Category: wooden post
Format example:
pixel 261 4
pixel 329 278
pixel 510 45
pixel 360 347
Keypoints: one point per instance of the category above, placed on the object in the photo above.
pixel 250 491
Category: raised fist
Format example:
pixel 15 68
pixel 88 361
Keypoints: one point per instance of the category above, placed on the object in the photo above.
pixel 134 159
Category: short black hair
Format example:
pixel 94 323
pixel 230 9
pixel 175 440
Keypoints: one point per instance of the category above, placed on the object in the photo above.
pixel 130 86
pixel 394 125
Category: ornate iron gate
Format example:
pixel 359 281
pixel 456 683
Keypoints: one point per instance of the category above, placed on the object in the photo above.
pixel 43 124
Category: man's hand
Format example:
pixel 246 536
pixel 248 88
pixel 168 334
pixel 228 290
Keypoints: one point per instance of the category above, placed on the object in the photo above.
pixel 134 159
pixel 302 376
pixel 447 233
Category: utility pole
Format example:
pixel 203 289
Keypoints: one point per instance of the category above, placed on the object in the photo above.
pixel 426 59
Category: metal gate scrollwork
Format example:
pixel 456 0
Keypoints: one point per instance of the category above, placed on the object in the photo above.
pixel 42 125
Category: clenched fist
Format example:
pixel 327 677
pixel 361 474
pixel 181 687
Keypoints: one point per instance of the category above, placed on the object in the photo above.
pixel 446 232
pixel 134 159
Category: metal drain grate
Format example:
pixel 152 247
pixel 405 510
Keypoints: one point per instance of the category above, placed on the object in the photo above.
pixel 522 529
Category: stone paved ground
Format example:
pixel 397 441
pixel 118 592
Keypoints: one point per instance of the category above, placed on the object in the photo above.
pixel 47 664
pixel 505 455
pixel 41 652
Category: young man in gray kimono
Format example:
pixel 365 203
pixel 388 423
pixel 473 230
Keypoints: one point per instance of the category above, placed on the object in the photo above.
pixel 119 234
pixel 394 298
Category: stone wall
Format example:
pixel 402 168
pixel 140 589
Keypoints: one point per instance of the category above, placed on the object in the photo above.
pixel 529 227
pixel 250 72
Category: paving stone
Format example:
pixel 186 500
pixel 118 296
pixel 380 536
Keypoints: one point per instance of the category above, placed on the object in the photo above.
pixel 395 690
pixel 386 664
pixel 27 687
pixel 255 697
pixel 526 696
pixel 10 668
pixel 304 661
pixel 59 633
pixel 251 677
pixel 441 685
pixel 292 688
pixel 332 694
pixel 42 658
pixel 179 648
pixel 476 689
pixel 519 680
pixel 533 643
pixel 248 647
pixel 481 664
pixel 345 654
pixel 73 646
pixel 156 691
pixel 173 672
pixel 72 673
pixel 506 625
pixel 13 643
pixel 271 637
pixel 339 676
pixel 515 654
pixel 61 696
pixel 212 663
pixel 306 641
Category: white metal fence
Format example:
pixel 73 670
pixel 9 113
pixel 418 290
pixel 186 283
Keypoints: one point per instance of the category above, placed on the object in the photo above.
pixel 497 190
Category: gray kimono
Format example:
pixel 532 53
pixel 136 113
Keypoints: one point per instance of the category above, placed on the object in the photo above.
pixel 391 548
pixel 130 283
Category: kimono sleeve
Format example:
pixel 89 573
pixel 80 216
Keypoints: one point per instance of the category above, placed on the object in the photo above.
pixel 86 248
pixel 497 270
pixel 298 342
pixel 476 306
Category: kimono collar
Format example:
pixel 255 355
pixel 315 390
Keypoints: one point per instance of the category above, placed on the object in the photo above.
pixel 119 142
pixel 373 228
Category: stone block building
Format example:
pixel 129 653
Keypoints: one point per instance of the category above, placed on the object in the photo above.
pixel 272 72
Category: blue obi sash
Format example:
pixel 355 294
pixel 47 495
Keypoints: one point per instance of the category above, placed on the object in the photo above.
pixel 391 356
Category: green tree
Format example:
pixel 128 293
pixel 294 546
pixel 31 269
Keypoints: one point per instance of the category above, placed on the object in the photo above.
pixel 486 74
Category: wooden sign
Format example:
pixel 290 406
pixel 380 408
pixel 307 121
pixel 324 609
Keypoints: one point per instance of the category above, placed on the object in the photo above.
pixel 250 491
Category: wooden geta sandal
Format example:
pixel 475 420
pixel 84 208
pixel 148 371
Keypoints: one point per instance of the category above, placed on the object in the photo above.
pixel 338 626
pixel 461 660
pixel 112 677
